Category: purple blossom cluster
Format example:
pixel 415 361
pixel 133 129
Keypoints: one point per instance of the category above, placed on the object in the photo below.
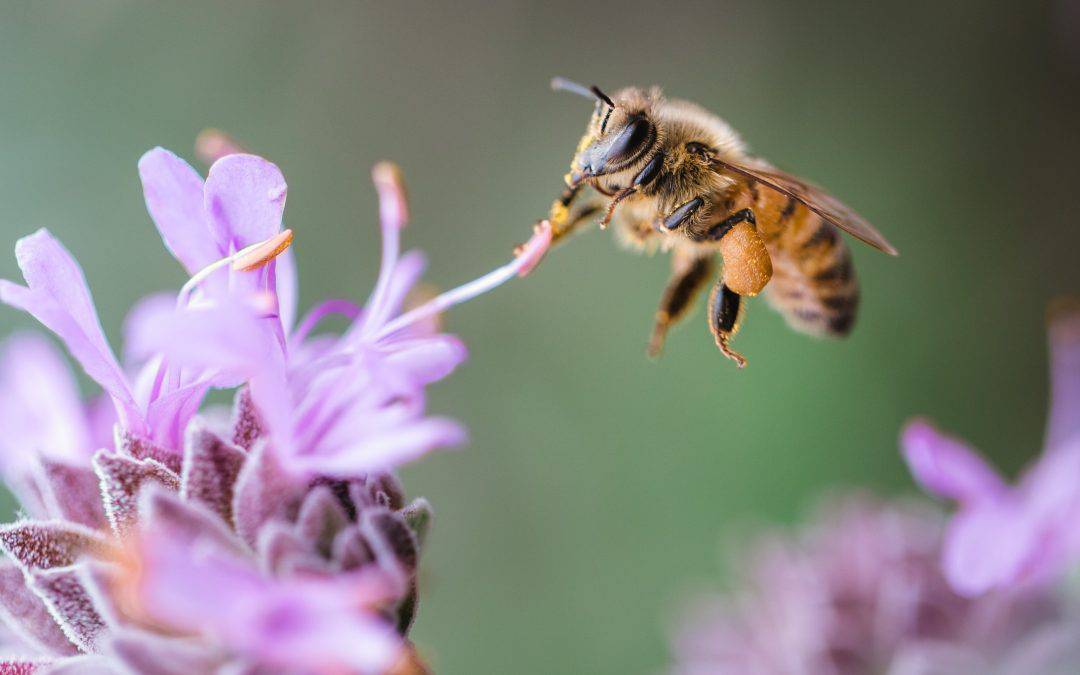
pixel 894 587
pixel 859 590
pixel 1002 535
pixel 158 537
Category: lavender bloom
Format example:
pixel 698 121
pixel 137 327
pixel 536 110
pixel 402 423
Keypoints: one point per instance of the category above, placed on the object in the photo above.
pixel 276 541
pixel 347 405
pixel 859 590
pixel 1005 535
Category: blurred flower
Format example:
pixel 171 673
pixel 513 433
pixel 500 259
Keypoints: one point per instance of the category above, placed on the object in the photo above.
pixel 276 541
pixel 1004 535
pixel 859 590
pixel 47 427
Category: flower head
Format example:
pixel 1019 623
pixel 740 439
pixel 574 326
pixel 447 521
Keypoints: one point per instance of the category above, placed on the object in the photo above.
pixel 277 541
pixel 859 590
pixel 351 404
pixel 1003 535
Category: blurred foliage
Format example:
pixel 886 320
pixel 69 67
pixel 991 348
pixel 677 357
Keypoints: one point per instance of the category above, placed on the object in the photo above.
pixel 598 484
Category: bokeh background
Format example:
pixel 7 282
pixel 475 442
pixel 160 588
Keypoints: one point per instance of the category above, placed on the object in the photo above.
pixel 599 487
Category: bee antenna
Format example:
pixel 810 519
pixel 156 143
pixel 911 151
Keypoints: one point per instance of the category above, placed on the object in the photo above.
pixel 563 84
pixel 601 95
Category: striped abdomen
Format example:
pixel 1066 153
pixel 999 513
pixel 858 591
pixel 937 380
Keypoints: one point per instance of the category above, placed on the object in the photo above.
pixel 813 283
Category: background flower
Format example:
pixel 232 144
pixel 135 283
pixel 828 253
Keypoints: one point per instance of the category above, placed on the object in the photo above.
pixel 859 590
pixel 1003 535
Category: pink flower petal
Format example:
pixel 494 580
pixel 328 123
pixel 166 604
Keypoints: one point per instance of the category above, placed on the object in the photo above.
pixel 406 272
pixel 139 323
pixel 986 547
pixel 174 197
pixel 534 250
pixel 388 450
pixel 947 467
pixel 228 337
pixel 427 360
pixel 168 415
pixel 40 409
pixel 244 196
pixel 58 297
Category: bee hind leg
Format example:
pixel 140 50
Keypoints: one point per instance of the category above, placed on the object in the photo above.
pixel 688 277
pixel 726 308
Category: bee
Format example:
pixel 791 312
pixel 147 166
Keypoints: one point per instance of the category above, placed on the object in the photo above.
pixel 677 178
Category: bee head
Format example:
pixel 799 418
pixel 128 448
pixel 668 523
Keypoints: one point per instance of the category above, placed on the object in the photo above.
pixel 620 132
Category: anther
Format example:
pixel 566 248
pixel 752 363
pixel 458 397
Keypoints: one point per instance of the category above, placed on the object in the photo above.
pixel 247 259
pixel 259 255
pixel 393 201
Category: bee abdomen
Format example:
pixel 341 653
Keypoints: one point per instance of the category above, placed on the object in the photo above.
pixel 814 285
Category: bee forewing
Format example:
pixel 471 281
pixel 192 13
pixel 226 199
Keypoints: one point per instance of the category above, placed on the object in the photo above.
pixel 817 200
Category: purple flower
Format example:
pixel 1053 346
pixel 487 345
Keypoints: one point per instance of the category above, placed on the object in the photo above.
pixel 239 207
pixel 1005 535
pixel 46 425
pixel 859 590
pixel 276 541
pixel 202 583
pixel 352 404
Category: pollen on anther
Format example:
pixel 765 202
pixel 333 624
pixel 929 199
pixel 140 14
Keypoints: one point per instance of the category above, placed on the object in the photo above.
pixel 261 254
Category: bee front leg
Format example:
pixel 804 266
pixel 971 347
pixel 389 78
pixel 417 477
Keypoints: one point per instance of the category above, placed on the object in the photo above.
pixel 682 215
pixel 689 272
pixel 564 219
pixel 725 313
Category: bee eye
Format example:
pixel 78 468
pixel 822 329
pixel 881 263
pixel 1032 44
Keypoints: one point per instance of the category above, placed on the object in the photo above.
pixel 629 140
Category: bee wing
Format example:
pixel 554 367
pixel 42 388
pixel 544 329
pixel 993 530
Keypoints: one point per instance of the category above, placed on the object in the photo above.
pixel 814 198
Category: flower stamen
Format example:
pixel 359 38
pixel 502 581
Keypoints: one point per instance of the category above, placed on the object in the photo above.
pixel 259 255
pixel 247 259
pixel 525 260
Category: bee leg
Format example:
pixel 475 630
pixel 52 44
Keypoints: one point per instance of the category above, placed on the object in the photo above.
pixel 717 231
pixel 682 214
pixel 564 220
pixel 619 196
pixel 688 276
pixel 725 312
pixel 643 178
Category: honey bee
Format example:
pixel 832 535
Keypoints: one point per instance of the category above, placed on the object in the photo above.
pixel 677 178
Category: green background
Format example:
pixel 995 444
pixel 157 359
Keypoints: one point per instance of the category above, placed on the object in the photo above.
pixel 598 485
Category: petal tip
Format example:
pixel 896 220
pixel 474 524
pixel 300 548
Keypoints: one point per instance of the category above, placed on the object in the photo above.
pixel 533 251
pixel 393 199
